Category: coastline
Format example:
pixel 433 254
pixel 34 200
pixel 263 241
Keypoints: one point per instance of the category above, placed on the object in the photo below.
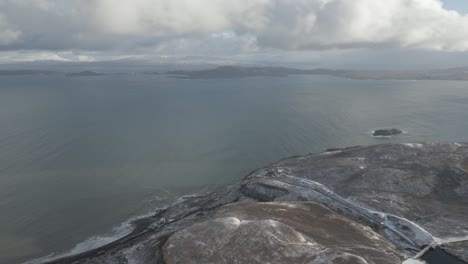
pixel 279 182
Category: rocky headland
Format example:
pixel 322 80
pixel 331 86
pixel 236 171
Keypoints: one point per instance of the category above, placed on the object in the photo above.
pixel 378 204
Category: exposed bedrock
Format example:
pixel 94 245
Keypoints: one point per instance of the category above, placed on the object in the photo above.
pixel 377 204
pixel 289 232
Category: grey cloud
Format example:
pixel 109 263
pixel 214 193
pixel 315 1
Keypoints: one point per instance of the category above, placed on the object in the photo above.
pixel 416 24
pixel 7 35
pixel 251 24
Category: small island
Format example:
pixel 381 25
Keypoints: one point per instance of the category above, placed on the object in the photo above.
pixel 387 132
pixel 84 73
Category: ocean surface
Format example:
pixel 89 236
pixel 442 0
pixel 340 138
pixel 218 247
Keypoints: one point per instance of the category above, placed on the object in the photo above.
pixel 81 157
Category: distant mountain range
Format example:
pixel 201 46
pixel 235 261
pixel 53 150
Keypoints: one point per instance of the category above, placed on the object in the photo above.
pixel 56 73
pixel 29 72
pixel 460 74
pixel 241 72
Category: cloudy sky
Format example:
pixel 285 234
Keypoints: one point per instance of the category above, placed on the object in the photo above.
pixel 420 33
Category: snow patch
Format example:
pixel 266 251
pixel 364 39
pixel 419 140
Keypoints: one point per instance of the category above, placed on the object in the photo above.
pixel 414 261
pixel 331 152
pixel 449 240
pixel 413 145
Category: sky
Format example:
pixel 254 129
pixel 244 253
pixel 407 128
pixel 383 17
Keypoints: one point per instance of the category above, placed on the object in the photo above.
pixel 334 33
pixel 459 5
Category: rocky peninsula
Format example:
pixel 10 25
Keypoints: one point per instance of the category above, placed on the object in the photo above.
pixel 378 204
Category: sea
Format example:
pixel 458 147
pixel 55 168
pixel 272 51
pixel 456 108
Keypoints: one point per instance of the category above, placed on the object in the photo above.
pixel 80 157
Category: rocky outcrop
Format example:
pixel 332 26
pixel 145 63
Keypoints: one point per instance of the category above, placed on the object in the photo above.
pixel 278 232
pixel 377 204
pixel 387 132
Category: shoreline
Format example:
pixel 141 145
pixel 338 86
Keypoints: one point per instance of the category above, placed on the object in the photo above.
pixel 269 184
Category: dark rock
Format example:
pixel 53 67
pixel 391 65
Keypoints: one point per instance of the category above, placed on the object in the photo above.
pixel 387 132
pixel 340 149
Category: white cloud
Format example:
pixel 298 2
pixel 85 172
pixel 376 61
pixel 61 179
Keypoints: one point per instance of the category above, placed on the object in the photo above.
pixel 85 58
pixel 419 24
pixel 296 24
pixel 288 25
pixel 24 56
pixel 177 17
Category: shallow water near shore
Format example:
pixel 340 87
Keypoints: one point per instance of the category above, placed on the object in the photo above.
pixel 81 156
pixel 437 255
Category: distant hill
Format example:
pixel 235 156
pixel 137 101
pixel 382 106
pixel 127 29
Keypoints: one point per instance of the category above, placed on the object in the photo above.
pixel 84 73
pixel 242 72
pixel 459 74
pixel 46 72
pixel 28 72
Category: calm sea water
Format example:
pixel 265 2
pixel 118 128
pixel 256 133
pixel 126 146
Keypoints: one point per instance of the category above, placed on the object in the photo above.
pixel 81 156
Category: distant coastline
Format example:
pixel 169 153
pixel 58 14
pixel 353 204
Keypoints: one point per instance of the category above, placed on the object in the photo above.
pixel 459 74
pixel 455 74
